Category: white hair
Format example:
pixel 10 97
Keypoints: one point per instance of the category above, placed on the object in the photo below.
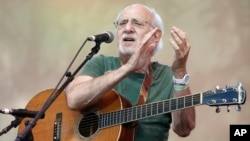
pixel 157 22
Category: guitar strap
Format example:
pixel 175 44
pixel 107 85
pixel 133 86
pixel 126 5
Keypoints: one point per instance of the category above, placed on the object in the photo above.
pixel 145 87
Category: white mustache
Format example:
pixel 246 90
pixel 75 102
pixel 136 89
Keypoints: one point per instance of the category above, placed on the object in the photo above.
pixel 132 36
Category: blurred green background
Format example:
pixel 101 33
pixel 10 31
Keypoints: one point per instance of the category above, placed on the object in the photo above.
pixel 38 39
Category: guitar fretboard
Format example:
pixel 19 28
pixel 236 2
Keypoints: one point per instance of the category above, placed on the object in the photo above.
pixel 147 110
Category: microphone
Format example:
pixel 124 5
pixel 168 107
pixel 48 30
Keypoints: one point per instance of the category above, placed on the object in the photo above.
pixel 20 113
pixel 107 37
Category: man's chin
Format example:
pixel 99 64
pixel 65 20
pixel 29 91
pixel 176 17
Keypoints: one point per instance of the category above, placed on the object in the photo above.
pixel 125 51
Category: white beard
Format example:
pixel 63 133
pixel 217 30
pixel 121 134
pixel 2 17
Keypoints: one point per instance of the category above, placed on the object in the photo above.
pixel 124 51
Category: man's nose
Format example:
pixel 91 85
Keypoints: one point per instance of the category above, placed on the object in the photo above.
pixel 129 27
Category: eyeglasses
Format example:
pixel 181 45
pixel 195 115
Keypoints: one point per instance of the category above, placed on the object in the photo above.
pixel 135 22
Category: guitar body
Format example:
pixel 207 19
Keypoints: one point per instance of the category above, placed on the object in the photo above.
pixel 63 124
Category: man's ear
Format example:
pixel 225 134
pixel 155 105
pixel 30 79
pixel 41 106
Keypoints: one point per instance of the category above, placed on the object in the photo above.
pixel 157 36
pixel 155 40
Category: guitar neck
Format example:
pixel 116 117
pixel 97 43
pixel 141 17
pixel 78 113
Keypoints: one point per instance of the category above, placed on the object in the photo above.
pixel 148 110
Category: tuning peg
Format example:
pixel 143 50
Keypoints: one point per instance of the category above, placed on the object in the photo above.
pixel 217 109
pixel 217 87
pixel 228 108
pixel 238 108
pixel 228 86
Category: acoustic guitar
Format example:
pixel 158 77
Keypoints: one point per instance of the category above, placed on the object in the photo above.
pixel 113 118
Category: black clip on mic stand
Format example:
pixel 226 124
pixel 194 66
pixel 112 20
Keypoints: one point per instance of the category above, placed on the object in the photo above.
pixel 56 92
pixel 13 123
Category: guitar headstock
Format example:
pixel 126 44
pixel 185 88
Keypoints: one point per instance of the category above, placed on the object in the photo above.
pixel 230 95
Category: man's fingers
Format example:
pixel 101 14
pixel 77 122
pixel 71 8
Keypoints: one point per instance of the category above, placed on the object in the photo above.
pixel 149 35
pixel 179 42
pixel 179 36
pixel 174 45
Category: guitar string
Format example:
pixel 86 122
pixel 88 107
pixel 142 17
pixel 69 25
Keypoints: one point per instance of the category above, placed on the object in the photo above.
pixel 149 105
pixel 111 117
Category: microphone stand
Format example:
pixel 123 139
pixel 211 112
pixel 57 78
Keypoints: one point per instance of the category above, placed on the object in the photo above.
pixel 56 91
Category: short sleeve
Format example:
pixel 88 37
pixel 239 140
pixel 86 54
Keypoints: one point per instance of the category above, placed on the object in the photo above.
pixel 94 67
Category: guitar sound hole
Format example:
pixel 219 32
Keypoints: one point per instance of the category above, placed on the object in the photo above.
pixel 88 125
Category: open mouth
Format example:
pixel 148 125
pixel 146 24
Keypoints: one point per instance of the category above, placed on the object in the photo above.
pixel 128 38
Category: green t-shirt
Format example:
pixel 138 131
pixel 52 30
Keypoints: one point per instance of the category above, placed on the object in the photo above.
pixel 154 128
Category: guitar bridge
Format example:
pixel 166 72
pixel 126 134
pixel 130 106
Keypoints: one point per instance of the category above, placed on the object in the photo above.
pixel 57 127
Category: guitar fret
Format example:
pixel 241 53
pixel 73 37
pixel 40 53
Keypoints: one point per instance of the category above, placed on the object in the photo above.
pixel 160 107
pixel 104 120
pixel 154 109
pixel 196 99
pixel 184 102
pixel 111 119
pixel 115 117
pixel 192 100
pixel 180 103
pixel 177 103
pixel 143 115
pixel 122 116
pixel 118 117
pixel 188 101
pixel 139 112
pixel 108 121
pixel 129 114
pixel 148 110
pixel 173 104
pixel 133 113
pixel 126 115
pixel 100 122
pixel 166 106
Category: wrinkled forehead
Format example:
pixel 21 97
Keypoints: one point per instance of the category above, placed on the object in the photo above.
pixel 136 11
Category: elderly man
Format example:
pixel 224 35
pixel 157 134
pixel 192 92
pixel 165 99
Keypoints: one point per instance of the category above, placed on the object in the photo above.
pixel 139 37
